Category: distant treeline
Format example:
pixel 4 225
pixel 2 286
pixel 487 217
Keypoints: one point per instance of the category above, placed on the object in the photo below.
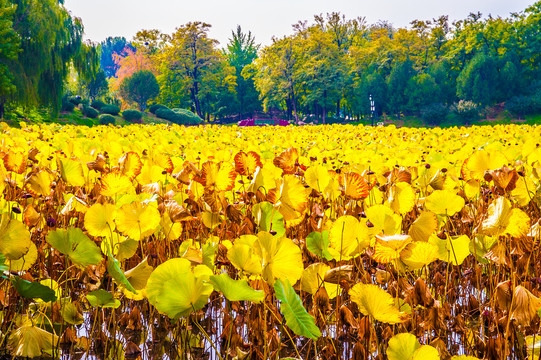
pixel 327 68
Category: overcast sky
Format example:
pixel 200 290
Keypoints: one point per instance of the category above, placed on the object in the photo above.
pixel 264 18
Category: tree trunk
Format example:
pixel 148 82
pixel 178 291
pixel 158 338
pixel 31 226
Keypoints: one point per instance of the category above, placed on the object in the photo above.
pixel 2 108
pixel 195 99
pixel 338 108
pixel 294 108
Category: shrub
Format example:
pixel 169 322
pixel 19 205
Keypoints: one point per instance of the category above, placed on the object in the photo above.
pixel 90 112
pixel 155 107
pixel 168 114
pixel 69 107
pixel 524 105
pixel 107 119
pixel 132 115
pixel 110 109
pixel 75 100
pixel 465 110
pixel 187 117
pixel 98 104
pixel 434 113
pixel 66 104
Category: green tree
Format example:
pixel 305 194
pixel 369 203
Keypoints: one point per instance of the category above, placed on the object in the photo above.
pixel 141 87
pixel 322 73
pixel 96 86
pixel 479 80
pixel 242 51
pixel 190 54
pixel 422 90
pixel 397 84
pixel 9 49
pixel 51 40
pixel 277 72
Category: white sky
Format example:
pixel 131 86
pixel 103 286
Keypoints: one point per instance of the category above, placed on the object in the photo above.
pixel 264 18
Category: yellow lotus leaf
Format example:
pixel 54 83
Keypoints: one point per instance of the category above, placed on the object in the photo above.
pixel 401 198
pixel 30 341
pixel 15 160
pixel 138 276
pixel 375 197
pixel 424 226
pixel 220 176
pixel 434 178
pixel 293 193
pixel 354 186
pixel 418 254
pixel 242 257
pixel 26 261
pixel 384 220
pixel 171 230
pixel 348 238
pixel 388 247
pixel 164 161
pixel 210 219
pixel 472 188
pixel 196 190
pixel 14 237
pixel 313 277
pixel 175 290
pixel 282 259
pixel 264 178
pixel 245 240
pixel 119 246
pixel 130 164
pixel 503 219
pixel 74 203
pixel 318 178
pixel 53 285
pixel 247 163
pixel 454 249
pixel 444 202
pixel 116 183
pixel 481 245
pixel 533 346
pixel 375 302
pixel 524 192
pixel 151 174
pixel 99 219
pixel 405 346
pixel 39 184
pixel 71 172
pixel 287 160
pixel 137 220
pixel 475 166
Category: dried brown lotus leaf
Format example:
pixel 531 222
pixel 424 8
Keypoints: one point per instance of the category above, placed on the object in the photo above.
pixel 524 306
pixel 336 274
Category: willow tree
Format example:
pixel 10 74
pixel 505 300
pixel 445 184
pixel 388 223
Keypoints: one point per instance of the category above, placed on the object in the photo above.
pixel 50 41
pixel 9 48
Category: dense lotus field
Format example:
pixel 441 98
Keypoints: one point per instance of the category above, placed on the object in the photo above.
pixel 323 242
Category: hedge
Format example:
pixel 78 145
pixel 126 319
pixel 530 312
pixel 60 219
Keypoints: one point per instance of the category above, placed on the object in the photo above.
pixel 132 115
pixel 110 109
pixel 107 119
pixel 155 107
